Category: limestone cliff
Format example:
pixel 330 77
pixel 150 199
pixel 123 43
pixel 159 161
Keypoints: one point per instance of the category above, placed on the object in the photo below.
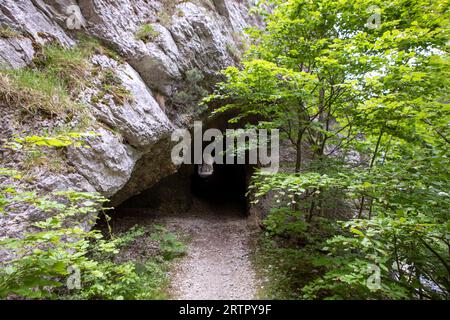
pixel 131 149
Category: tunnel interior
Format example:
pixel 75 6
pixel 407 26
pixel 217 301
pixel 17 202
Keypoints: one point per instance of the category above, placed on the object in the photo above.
pixel 226 184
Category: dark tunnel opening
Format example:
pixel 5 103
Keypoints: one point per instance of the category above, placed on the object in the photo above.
pixel 225 187
pixel 227 184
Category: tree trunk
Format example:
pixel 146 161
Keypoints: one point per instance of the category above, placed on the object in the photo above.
pixel 372 162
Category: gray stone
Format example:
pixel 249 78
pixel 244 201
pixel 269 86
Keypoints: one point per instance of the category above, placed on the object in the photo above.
pixel 16 52
pixel 33 18
pixel 107 164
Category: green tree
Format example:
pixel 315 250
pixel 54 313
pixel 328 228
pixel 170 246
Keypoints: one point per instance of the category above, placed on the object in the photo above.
pixel 341 88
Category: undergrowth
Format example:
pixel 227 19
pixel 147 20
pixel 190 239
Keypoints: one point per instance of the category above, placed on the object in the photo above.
pixel 283 271
pixel 59 258
pixel 287 254
pixel 59 255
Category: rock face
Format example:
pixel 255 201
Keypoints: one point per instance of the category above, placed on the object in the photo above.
pixel 131 151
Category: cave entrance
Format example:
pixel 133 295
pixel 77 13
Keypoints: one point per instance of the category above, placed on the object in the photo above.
pixel 177 193
pixel 225 187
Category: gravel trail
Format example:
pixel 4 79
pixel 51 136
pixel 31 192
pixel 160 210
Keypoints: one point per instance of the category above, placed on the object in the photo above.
pixel 217 265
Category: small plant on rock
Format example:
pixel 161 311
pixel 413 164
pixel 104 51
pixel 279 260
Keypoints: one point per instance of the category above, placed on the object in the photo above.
pixel 194 92
pixel 146 33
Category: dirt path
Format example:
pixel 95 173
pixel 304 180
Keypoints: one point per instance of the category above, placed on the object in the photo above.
pixel 218 263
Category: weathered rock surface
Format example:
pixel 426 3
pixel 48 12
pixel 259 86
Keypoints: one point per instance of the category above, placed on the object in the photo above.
pixel 16 53
pixel 132 150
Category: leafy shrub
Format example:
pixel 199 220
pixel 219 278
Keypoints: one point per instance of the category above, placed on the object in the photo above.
pixel 59 257
pixel 36 263
pixel 39 264
pixel 169 245
pixel 285 222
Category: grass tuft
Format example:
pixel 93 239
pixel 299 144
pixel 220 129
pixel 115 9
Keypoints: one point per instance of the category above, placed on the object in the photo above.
pixel 146 33
pixel 9 33
pixel 70 65
pixel 36 91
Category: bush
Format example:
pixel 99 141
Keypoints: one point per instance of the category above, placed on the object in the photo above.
pixel 169 245
pixel 38 262
pixel 60 257
pixel 42 262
